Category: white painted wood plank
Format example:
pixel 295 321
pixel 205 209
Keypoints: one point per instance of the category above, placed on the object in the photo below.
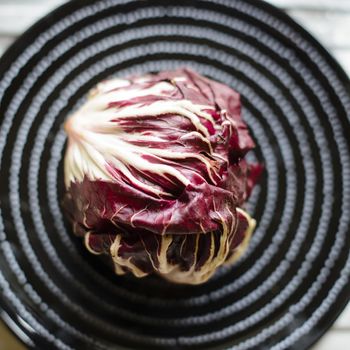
pixel 15 18
pixel 343 322
pixel 331 28
pixel 15 2
pixel 332 5
pixel 343 57
pixel 337 340
pixel 5 42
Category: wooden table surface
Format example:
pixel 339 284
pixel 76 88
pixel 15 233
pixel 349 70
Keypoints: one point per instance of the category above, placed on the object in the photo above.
pixel 327 20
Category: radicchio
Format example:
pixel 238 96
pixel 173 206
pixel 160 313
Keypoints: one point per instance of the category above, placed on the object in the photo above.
pixel 156 177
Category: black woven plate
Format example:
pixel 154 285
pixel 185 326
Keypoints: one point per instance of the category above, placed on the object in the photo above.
pixel 293 281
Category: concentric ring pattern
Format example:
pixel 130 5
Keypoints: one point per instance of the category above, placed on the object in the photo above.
pixel 294 279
